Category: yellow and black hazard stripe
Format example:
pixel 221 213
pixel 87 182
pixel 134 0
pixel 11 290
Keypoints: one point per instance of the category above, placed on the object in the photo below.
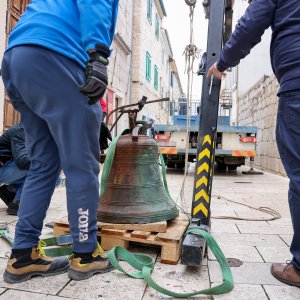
pixel 168 150
pixel 241 153
pixel 201 201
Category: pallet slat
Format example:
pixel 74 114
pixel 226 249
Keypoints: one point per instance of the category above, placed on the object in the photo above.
pixel 170 241
pixel 151 227
pixel 140 234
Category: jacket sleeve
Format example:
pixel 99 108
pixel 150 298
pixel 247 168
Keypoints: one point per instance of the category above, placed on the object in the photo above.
pixel 98 22
pixel 19 151
pixel 248 32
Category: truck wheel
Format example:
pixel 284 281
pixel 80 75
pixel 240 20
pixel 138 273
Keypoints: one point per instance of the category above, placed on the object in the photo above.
pixel 171 165
pixel 232 167
pixel 221 166
pixel 180 165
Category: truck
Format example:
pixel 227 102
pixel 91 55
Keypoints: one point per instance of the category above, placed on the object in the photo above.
pixel 233 144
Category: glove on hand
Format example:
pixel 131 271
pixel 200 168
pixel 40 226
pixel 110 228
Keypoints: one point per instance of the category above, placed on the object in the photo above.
pixel 104 136
pixel 96 78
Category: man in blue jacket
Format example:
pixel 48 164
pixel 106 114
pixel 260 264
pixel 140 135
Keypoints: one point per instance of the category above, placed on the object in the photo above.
pixel 284 18
pixel 55 70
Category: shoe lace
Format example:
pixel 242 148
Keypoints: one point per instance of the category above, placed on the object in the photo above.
pixel 70 257
pixel 40 250
pixel 100 249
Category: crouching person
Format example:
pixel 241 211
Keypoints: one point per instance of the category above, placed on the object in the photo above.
pixel 14 165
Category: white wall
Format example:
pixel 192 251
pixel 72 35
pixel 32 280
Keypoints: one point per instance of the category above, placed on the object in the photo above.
pixel 3 7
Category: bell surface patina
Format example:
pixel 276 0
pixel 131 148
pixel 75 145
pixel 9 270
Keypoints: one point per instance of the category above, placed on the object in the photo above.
pixel 135 192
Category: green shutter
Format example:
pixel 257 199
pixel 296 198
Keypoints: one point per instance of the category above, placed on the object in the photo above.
pixel 156 26
pixel 148 66
pixel 155 77
pixel 149 11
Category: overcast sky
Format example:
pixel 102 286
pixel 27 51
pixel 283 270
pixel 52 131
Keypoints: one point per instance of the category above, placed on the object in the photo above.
pixel 177 23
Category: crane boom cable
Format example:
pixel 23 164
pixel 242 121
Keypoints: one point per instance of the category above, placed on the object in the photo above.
pixel 191 52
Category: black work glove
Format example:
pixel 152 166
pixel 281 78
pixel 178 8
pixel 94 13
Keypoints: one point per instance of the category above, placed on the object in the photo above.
pixel 104 136
pixel 96 78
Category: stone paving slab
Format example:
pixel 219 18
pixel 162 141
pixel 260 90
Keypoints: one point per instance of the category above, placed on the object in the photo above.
pixel 223 228
pixel 112 285
pixel 248 273
pixel 275 254
pixel 243 253
pixel 263 240
pixel 5 247
pixel 270 229
pixel 287 238
pixel 178 278
pixel 244 292
pixel 4 217
pixel 2 290
pixel 282 292
pixel 281 221
pixel 20 295
pixel 43 285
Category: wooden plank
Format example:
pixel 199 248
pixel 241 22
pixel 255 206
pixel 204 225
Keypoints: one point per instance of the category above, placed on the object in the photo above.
pixel 113 232
pixel 140 234
pixel 60 230
pixel 107 243
pixel 176 229
pixel 151 240
pixel 170 254
pixel 153 227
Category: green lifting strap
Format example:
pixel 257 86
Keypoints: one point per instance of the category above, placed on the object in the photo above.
pixel 108 163
pixel 144 264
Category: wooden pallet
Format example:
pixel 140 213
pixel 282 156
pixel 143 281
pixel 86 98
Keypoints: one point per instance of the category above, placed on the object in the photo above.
pixel 61 226
pixel 113 235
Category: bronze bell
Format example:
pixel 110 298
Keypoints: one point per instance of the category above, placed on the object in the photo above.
pixel 135 192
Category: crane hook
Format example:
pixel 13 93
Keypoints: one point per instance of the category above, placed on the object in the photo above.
pixel 191 2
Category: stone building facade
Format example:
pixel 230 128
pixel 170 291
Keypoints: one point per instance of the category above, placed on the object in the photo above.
pixel 152 74
pixel 120 66
pixel 258 107
pixel 137 32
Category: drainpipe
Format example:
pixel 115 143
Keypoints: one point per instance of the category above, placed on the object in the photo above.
pixel 131 57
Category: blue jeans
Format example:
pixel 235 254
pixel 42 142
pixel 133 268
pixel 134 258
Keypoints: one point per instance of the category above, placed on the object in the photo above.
pixel 10 174
pixel 288 141
pixel 62 130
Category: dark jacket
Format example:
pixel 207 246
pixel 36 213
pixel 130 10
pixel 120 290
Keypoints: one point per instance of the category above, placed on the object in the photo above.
pixel 12 147
pixel 284 18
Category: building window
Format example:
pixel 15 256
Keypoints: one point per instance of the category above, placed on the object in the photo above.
pixel 155 77
pixel 149 11
pixel 156 26
pixel 148 66
pixel 171 77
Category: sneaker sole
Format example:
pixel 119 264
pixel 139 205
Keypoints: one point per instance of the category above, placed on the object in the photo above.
pixel 77 275
pixel 285 281
pixel 12 278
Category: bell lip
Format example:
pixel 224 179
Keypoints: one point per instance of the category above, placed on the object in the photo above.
pixel 115 219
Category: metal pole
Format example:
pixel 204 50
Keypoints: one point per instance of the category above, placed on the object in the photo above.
pixel 194 246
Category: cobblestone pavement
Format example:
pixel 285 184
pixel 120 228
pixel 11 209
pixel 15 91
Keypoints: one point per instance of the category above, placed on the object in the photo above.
pixel 255 244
